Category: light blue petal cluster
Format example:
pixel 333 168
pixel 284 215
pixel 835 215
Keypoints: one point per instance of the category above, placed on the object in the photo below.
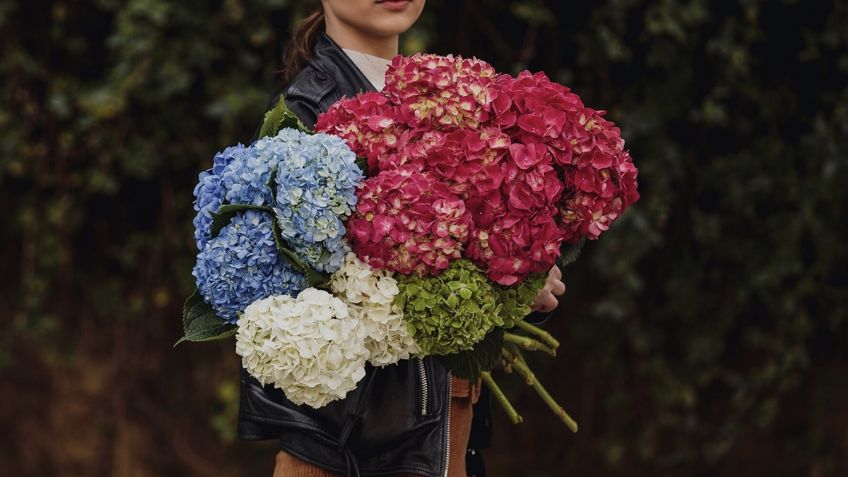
pixel 242 265
pixel 316 192
pixel 209 193
pixel 245 180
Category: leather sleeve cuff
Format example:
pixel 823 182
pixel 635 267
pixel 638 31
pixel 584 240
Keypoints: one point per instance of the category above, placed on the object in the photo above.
pixel 538 318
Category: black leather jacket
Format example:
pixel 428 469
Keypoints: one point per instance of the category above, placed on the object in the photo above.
pixel 396 420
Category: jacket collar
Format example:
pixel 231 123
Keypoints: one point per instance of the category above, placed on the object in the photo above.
pixel 330 69
pixel 329 58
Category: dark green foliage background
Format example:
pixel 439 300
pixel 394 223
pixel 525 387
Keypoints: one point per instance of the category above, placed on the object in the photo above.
pixel 705 334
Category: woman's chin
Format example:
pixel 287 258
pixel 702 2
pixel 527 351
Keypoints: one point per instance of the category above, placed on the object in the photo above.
pixel 395 17
pixel 390 26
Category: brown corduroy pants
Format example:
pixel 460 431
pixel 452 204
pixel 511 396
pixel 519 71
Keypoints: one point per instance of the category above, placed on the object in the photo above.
pixel 463 397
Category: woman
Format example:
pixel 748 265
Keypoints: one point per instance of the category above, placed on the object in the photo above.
pixel 405 420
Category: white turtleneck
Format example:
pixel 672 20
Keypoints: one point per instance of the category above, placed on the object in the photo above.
pixel 373 67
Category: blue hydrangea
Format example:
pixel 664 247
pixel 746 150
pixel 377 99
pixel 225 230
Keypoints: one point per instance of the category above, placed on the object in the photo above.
pixel 239 175
pixel 242 265
pixel 209 193
pixel 245 179
pixel 321 256
pixel 316 192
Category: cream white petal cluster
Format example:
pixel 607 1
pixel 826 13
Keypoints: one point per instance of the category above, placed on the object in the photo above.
pixel 370 294
pixel 310 346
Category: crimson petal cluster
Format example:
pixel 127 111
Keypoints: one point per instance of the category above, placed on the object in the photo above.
pixel 409 222
pixel 469 163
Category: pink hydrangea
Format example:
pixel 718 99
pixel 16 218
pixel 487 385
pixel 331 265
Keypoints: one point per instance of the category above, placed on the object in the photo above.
pixel 367 123
pixel 598 174
pixel 516 231
pixel 408 222
pixel 413 148
pixel 516 244
pixel 441 91
pixel 471 163
pixel 469 160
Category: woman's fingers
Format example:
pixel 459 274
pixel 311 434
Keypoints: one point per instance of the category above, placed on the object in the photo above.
pixel 545 302
pixel 557 287
pixel 555 272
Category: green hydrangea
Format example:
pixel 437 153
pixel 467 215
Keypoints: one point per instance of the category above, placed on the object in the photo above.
pixel 516 300
pixel 452 311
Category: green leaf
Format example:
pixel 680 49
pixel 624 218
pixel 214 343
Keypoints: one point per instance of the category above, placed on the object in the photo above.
pixel 362 164
pixel 280 117
pixel 201 323
pixel 226 213
pixel 313 277
pixel 569 252
pixel 272 183
pixel 483 357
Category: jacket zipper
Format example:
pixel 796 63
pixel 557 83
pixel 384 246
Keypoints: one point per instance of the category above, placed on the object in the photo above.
pixel 425 386
pixel 448 426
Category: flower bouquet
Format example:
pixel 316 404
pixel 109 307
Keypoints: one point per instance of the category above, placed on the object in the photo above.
pixel 418 221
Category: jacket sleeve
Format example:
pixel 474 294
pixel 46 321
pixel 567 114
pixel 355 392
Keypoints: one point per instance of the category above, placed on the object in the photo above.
pixel 538 317
pixel 309 94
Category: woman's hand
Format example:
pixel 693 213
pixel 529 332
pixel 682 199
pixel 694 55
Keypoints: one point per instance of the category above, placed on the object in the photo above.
pixel 547 300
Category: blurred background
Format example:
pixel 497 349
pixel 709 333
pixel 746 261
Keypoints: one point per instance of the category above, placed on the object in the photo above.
pixel 705 334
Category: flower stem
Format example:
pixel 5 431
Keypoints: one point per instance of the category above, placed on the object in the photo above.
pixel 501 397
pixel 546 337
pixel 528 343
pixel 513 355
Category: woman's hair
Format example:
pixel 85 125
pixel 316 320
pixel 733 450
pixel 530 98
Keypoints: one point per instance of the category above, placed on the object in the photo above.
pixel 299 51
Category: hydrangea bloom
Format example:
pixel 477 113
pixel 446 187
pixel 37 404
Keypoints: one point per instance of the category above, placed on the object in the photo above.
pixel 599 175
pixel 450 312
pixel 516 301
pixel 306 346
pixel 408 222
pixel 516 232
pixel 369 295
pixel 242 265
pixel 602 190
pixel 316 190
pixel 528 160
pixel 517 245
pixel 245 178
pixel 441 91
pixel 470 161
pixel 209 193
pixel 366 122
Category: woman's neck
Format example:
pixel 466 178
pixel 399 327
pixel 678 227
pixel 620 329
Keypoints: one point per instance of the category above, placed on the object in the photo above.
pixel 347 37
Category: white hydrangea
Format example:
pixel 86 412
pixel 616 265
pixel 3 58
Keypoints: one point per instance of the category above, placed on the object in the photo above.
pixel 308 346
pixel 369 295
